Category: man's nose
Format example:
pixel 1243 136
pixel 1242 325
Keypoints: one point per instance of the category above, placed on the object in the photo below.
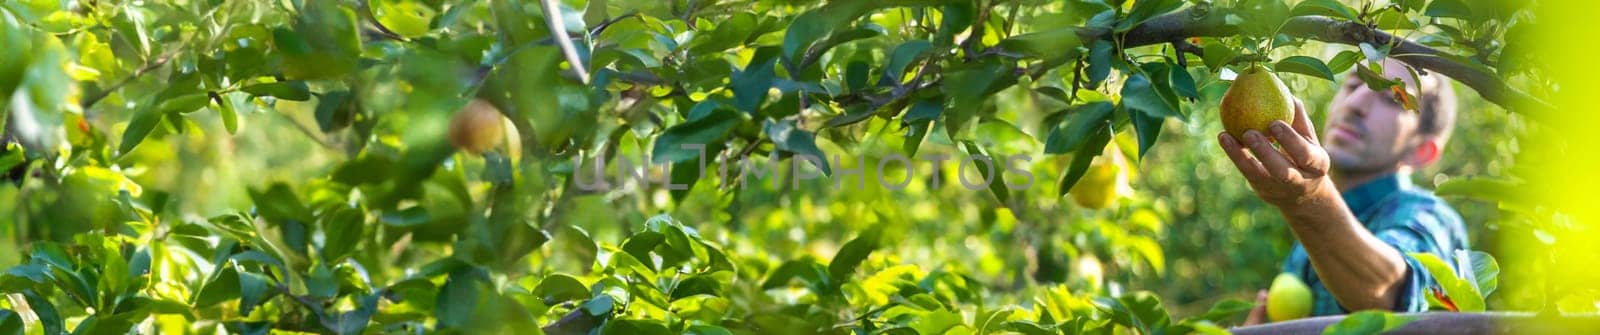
pixel 1345 112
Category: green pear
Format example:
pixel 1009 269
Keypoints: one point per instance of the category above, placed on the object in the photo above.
pixel 1256 98
pixel 1288 299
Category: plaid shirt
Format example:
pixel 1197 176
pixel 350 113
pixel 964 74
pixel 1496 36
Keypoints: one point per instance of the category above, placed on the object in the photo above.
pixel 1406 217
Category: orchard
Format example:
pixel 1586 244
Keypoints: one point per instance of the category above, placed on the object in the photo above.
pixel 760 166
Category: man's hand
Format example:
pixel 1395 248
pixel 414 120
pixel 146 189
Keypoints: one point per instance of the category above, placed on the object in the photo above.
pixel 1360 270
pixel 1258 314
pixel 1288 175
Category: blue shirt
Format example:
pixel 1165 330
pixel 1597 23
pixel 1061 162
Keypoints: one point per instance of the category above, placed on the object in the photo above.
pixel 1406 217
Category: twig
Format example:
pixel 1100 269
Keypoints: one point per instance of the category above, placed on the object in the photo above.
pixel 601 27
pixel 307 131
pixel 552 17
pixel 152 66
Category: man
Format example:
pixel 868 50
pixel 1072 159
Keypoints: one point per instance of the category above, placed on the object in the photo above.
pixel 1349 201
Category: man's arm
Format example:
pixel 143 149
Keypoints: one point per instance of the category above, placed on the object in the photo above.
pixel 1361 271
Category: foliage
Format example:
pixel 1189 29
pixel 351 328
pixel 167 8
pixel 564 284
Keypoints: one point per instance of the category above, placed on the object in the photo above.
pixel 284 165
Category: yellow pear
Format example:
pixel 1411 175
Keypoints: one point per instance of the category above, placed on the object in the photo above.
pixel 1255 99
pixel 1104 182
pixel 1288 299
pixel 477 127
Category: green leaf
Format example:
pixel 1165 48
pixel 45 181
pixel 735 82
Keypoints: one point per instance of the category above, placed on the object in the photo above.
pixel 936 322
pixel 1375 81
pixel 924 110
pixel 1144 10
pixel 295 90
pixel 460 297
pixel 1343 61
pixel 354 321
pixel 697 285
pixel 1410 5
pixel 1462 292
pixel 642 244
pixel 1183 83
pixel 223 287
pixel 1196 327
pixel 1367 322
pixel 559 288
pixel 1138 310
pixel 856 75
pixel 1049 44
pixel 600 305
pixel 1449 8
pixel 230 118
pixel 254 289
pixel 185 103
pixel 333 112
pixel 1260 19
pixel 751 84
pixel 343 231
pixel 1148 128
pixel 1081 158
pixel 1393 20
pixel 903 55
pixel 706 330
pixel 852 254
pixel 630 326
pixel 989 171
pixel 1486 272
pixel 728 34
pixel 957 17
pixel 792 139
pixel 708 131
pixel 913 137
pixel 1374 54
pixel 144 120
pixel 114 272
pixel 1139 93
pixel 278 203
pixel 1099 62
pixel 867 30
pixel 10 323
pixel 804 269
pixel 1304 65
pixel 812 26
pixel 320 283
pixel 1027 327
pixel 49 318
pixel 1226 309
pixel 1217 55
pixel 1330 8
pixel 1083 122
pixel 970 86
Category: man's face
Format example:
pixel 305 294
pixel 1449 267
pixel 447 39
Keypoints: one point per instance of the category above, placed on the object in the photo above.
pixel 1367 131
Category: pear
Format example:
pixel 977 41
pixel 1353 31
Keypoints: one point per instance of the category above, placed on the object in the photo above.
pixel 478 127
pixel 1288 298
pixel 1256 98
pixel 1104 182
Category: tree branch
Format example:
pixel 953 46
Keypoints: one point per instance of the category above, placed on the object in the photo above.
pixel 1191 22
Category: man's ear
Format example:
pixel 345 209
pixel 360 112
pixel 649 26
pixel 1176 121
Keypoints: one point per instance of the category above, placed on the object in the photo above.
pixel 1426 152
